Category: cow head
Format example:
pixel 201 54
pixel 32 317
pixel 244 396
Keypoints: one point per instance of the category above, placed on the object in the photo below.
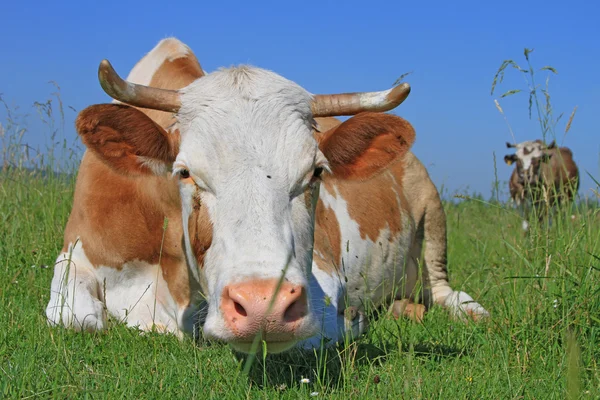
pixel 528 158
pixel 249 168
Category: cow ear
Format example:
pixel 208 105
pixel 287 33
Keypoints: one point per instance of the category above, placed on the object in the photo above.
pixel 510 159
pixel 366 144
pixel 545 157
pixel 127 139
pixel 551 145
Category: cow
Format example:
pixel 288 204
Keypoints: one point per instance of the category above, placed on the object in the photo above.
pixel 234 205
pixel 544 174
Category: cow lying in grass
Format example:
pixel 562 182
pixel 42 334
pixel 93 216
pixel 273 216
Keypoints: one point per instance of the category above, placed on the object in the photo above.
pixel 544 177
pixel 283 223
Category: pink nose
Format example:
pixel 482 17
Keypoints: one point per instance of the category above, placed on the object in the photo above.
pixel 259 306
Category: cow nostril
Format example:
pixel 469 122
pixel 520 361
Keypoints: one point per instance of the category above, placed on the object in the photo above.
pixel 294 312
pixel 297 310
pixel 239 309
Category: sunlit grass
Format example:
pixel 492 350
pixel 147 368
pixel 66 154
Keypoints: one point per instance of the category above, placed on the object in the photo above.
pixel 542 290
pixel 539 288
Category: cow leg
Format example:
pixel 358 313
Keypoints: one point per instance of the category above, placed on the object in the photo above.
pixel 524 211
pixel 406 308
pixel 138 295
pixel 81 295
pixel 355 323
pixel 462 305
pixel 75 299
pixel 435 272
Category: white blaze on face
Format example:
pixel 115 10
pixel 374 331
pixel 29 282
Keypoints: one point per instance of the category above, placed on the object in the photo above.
pixel 527 152
pixel 246 140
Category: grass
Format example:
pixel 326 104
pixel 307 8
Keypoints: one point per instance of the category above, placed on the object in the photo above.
pixel 542 291
pixel 542 340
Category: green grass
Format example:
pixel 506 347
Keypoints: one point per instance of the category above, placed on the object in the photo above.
pixel 542 290
pixel 543 337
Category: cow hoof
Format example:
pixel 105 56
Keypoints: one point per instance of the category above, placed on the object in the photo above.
pixel 158 328
pixel 350 313
pixel 406 308
pixel 478 316
pixel 355 322
pixel 464 307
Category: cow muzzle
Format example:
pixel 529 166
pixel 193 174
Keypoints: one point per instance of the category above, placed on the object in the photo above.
pixel 267 310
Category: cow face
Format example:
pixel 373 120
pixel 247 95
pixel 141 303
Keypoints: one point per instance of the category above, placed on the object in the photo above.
pixel 249 169
pixel 528 157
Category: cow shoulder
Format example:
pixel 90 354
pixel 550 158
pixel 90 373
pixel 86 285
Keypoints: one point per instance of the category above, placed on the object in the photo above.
pixel 376 205
pixel 119 218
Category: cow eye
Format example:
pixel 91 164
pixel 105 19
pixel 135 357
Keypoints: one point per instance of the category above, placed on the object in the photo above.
pixel 184 174
pixel 318 172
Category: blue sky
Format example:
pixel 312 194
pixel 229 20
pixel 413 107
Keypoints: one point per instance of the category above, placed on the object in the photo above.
pixel 452 48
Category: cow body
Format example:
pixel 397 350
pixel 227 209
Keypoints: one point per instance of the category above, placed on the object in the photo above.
pixel 177 256
pixel 543 175
pixel 369 237
pixel 116 233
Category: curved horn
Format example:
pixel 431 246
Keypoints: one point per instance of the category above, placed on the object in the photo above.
pixel 329 105
pixel 134 94
pixel 509 145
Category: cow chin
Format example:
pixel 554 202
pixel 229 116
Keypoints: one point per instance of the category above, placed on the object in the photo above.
pixel 275 342
pixel 255 347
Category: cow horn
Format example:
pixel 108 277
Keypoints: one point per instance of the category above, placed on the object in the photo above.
pixel 329 105
pixel 134 94
pixel 509 145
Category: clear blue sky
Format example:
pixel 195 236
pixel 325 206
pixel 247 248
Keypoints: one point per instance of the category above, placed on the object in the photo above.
pixel 453 49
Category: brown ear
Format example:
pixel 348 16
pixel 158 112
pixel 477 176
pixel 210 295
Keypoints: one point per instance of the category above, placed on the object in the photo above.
pixel 366 144
pixel 127 139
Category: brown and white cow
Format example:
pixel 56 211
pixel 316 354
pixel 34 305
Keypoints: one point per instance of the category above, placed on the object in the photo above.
pixel 217 204
pixel 542 175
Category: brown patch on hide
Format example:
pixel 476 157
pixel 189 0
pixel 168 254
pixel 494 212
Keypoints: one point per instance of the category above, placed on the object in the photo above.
pixel 200 229
pixel 328 238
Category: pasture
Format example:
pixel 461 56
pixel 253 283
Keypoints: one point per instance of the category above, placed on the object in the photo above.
pixel 542 289
pixel 542 341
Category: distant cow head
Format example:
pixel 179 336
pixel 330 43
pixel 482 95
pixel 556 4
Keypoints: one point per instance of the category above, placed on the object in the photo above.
pixel 249 169
pixel 529 156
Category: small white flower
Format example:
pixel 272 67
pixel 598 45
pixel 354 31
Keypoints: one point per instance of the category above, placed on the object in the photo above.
pixel 281 387
pixel 304 380
pixel 314 394
pixel 555 303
